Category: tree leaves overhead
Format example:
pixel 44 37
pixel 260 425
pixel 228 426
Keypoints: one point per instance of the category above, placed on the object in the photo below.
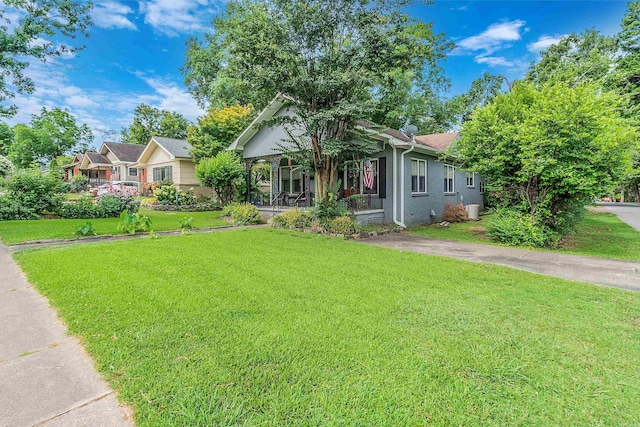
pixel 340 60
pixel 149 121
pixel 29 37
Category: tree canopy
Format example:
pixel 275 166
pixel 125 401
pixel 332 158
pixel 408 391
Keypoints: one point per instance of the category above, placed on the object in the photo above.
pixel 338 60
pixel 52 133
pixel 217 130
pixel 149 121
pixel 29 37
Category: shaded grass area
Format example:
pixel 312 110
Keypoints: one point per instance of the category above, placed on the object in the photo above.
pixel 21 231
pixel 601 234
pixel 270 327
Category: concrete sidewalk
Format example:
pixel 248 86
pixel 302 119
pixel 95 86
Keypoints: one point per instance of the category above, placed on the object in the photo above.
pixel 600 271
pixel 46 377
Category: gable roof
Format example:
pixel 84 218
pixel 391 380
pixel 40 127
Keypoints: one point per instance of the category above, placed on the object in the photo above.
pixel 388 131
pixel 92 160
pixel 439 141
pixel 175 148
pixel 123 152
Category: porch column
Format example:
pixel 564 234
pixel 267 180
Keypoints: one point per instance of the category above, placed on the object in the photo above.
pixel 275 167
pixel 307 189
pixel 247 167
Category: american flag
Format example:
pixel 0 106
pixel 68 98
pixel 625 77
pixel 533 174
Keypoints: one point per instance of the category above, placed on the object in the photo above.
pixel 367 179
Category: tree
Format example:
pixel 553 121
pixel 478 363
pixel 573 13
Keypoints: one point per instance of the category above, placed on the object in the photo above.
pixel 21 40
pixel 53 133
pixel 217 130
pixel 6 138
pixel 482 91
pixel 546 152
pixel 333 59
pixel 224 173
pixel 149 121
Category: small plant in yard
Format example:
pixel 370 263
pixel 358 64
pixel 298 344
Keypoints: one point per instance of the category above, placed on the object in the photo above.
pixel 186 224
pixel 343 225
pixel 134 222
pixel 293 219
pixel 243 214
pixel 84 230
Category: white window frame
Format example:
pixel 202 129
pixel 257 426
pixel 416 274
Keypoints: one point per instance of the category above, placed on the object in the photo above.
pixel 483 187
pixel 471 183
pixel 135 172
pixel 449 174
pixel 418 180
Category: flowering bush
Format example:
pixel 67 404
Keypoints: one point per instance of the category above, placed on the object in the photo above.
pixel 170 195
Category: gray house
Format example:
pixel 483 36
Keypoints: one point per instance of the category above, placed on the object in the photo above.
pixel 408 182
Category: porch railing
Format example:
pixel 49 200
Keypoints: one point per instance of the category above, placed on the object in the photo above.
pixel 361 202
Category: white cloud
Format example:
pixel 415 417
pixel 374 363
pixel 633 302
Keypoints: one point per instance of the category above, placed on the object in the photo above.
pixel 544 42
pixel 461 8
pixel 173 17
pixel 493 61
pixel 174 98
pixel 496 37
pixel 111 14
pixel 80 101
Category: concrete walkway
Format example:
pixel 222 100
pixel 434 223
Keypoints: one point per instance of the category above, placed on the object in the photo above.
pixel 600 271
pixel 46 378
pixel 627 212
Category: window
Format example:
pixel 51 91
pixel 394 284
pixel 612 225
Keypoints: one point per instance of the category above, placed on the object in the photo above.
pixel 370 167
pixel 471 179
pixel 133 171
pixel 449 179
pixel 160 174
pixel 418 176
pixel 482 187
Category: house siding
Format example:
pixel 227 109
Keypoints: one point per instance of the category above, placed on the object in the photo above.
pixel 265 141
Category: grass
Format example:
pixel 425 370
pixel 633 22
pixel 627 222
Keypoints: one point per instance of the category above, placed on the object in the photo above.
pixel 267 327
pixel 601 234
pixel 13 232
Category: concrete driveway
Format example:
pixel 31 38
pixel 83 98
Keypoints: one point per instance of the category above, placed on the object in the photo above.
pixel 627 212
pixel 600 271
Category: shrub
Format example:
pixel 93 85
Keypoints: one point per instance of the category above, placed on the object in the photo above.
pixel 293 219
pixel 82 208
pixel 223 173
pixel 112 205
pixel 243 214
pixel 35 191
pixel 84 230
pixel 134 222
pixel 79 183
pixel 518 229
pixel 148 201
pixel 170 195
pixel 455 213
pixel 11 209
pixel 6 167
pixel 343 225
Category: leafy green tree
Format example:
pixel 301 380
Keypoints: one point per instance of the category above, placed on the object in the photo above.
pixel 217 130
pixel 332 58
pixel 482 91
pixel 6 138
pixel 224 173
pixel 149 121
pixel 52 133
pixel 20 39
pixel 546 152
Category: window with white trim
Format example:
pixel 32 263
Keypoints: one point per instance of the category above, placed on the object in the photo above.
pixel 471 179
pixel 133 171
pixel 449 179
pixel 418 176
pixel 482 187
pixel 163 173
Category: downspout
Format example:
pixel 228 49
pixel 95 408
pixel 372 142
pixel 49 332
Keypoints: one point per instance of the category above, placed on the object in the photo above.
pixel 402 224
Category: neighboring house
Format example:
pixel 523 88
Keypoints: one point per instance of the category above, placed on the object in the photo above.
pixel 411 182
pixel 168 158
pixel 111 163
pixel 122 158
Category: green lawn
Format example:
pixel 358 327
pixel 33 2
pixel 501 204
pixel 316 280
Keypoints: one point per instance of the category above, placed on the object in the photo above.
pixel 21 231
pixel 601 234
pixel 265 327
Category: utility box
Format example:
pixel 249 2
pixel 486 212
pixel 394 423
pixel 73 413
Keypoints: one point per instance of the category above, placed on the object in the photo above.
pixel 473 211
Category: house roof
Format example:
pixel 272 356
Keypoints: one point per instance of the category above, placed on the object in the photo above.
pixel 439 141
pixel 92 160
pixel 389 131
pixel 123 152
pixel 176 148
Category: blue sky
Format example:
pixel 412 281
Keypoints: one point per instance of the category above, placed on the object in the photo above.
pixel 136 50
